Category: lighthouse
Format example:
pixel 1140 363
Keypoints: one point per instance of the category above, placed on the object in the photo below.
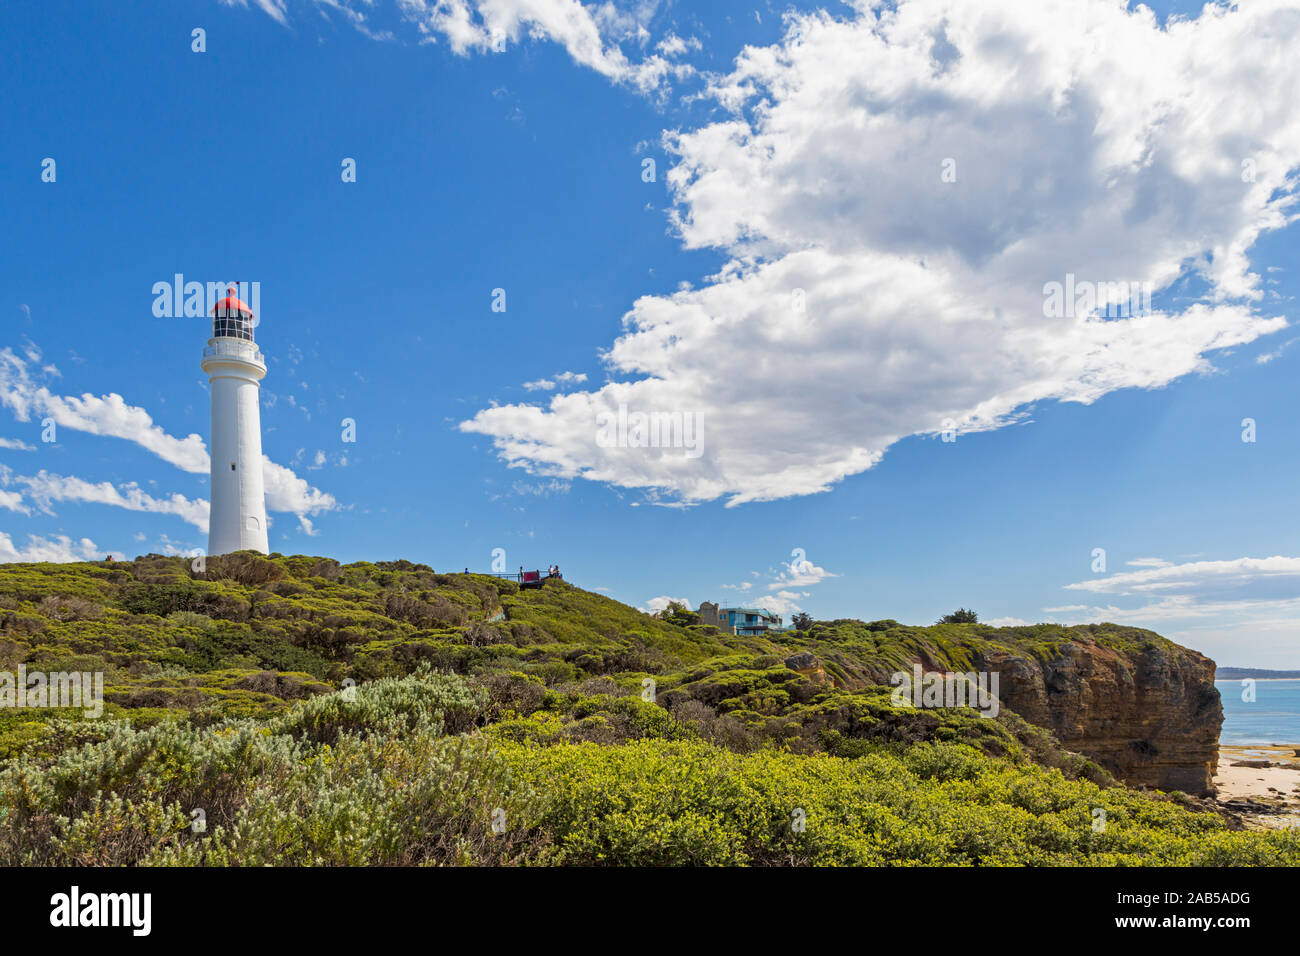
pixel 235 367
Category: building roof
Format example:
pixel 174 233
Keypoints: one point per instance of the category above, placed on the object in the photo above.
pixel 232 306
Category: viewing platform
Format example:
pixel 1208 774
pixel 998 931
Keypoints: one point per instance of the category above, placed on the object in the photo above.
pixel 525 579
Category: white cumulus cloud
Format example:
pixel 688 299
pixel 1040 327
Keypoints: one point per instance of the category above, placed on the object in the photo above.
pixel 107 415
pixel 799 572
pixel 894 189
pixel 58 548
pixel 657 604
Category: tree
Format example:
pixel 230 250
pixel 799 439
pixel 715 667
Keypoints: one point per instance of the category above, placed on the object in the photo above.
pixel 960 616
pixel 678 613
pixel 802 621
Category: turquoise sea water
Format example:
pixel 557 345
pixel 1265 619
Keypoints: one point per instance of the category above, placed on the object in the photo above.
pixel 1272 718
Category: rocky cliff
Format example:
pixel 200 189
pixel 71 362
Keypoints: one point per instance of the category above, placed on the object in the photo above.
pixel 1140 705
pixel 1150 715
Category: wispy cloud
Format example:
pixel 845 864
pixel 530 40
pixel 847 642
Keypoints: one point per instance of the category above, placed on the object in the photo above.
pixel 1221 607
pixel 111 416
pixel 593 34
pixel 549 384
pixel 44 489
pixel 1265 357
pixel 1197 575
pixel 275 9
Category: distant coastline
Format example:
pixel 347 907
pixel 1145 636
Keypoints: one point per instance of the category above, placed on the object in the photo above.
pixel 1233 680
pixel 1255 673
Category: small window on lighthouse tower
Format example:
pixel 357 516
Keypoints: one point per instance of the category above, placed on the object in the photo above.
pixel 232 466
pixel 254 524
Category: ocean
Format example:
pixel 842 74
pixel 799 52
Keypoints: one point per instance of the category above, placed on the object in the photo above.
pixel 1272 718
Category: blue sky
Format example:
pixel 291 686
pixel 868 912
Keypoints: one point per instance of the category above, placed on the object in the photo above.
pixel 506 150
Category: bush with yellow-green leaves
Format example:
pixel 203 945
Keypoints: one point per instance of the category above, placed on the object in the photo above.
pixel 401 771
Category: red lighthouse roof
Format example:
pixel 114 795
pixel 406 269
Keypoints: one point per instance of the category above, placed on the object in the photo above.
pixel 232 306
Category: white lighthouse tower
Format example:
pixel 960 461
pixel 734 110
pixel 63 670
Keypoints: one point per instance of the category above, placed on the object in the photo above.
pixel 235 368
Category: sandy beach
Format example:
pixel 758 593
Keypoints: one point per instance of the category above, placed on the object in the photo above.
pixel 1265 796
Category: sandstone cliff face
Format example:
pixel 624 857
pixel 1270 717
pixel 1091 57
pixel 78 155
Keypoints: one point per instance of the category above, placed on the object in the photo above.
pixel 1150 716
pixel 1136 703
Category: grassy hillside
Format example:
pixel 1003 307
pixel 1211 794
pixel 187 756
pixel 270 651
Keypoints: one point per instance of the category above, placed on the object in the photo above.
pixel 475 702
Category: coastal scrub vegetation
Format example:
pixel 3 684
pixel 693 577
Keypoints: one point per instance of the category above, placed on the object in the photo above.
pixel 290 710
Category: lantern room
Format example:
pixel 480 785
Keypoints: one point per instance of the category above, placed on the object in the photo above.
pixel 232 318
